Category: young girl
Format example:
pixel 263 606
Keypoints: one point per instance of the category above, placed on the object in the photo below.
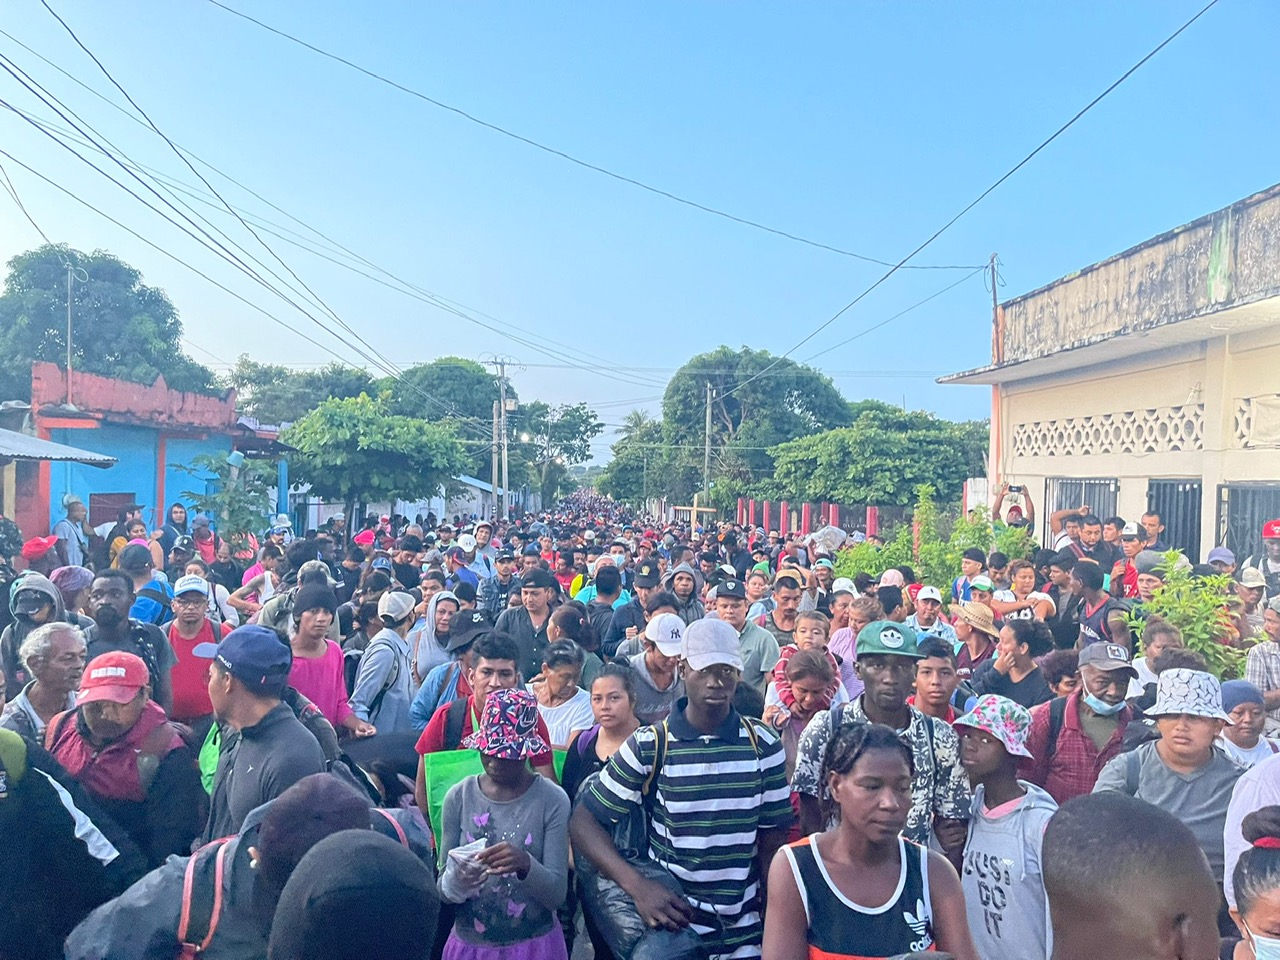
pixel 565 706
pixel 860 889
pixel 1257 887
pixel 809 676
pixel 1003 869
pixel 508 892
pixel 862 610
pixel 810 634
pixel 613 706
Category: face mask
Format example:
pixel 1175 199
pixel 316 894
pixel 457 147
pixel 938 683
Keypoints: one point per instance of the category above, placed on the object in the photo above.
pixel 1101 707
pixel 1264 948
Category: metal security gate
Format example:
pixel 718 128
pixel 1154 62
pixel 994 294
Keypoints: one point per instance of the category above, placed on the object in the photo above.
pixel 1242 510
pixel 1099 494
pixel 1179 504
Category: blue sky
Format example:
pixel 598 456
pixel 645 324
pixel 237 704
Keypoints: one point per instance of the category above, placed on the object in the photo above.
pixel 861 125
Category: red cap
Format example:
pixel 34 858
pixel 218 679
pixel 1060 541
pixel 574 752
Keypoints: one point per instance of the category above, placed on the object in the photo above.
pixel 1271 530
pixel 37 547
pixel 364 538
pixel 914 590
pixel 116 676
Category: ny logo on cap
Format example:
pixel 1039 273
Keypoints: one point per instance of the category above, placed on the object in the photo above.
pixel 892 638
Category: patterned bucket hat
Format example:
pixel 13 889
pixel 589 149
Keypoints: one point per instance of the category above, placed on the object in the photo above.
pixel 1192 692
pixel 508 727
pixel 1008 722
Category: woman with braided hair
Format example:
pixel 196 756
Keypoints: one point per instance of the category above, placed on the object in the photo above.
pixel 860 889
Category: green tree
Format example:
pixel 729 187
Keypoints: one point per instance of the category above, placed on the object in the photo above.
pixel 880 460
pixel 238 497
pixel 626 477
pixel 1195 606
pixel 558 438
pixel 280 395
pixel 121 327
pixel 353 451
pixel 462 392
pixel 758 402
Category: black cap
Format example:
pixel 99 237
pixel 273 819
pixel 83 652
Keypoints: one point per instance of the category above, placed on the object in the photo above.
pixel 531 551
pixel 539 578
pixel 647 575
pixel 504 555
pixel 731 588
pixel 134 557
pixel 466 628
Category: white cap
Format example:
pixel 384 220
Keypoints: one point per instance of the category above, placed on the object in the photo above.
pixel 845 584
pixel 666 630
pixel 282 520
pixel 710 642
pixel 191 584
pixel 467 542
pixel 929 593
pixel 589 535
pixel 394 606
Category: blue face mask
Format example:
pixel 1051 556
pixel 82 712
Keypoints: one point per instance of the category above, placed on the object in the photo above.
pixel 1101 707
pixel 1264 948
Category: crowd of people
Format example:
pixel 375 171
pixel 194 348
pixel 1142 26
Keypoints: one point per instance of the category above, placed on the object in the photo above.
pixel 585 733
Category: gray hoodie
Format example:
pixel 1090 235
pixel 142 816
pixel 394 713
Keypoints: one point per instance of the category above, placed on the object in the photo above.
pixel 1003 879
pixel 15 673
pixel 142 923
pixel 692 609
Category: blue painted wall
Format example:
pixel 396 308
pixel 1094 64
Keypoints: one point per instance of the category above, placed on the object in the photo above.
pixel 136 450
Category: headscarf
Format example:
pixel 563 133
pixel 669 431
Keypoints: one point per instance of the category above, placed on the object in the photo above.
pixel 426 648
pixel 70 581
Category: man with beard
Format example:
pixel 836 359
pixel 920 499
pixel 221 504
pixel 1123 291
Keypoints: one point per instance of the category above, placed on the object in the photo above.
pixel 110 598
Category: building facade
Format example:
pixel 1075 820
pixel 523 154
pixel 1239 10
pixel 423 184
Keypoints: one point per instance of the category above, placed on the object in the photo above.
pixel 1149 381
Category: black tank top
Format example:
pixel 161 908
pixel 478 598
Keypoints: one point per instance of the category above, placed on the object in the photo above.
pixel 840 929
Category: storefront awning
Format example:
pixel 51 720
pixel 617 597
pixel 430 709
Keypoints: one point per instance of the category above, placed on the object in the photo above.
pixel 21 446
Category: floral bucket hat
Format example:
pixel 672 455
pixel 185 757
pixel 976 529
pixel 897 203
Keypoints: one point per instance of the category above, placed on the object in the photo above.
pixel 1005 720
pixel 508 727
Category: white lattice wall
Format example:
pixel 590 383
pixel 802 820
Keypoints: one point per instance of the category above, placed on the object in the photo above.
pixel 1158 430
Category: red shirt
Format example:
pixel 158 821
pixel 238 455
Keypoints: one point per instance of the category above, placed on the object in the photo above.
pixel 190 676
pixel 949 719
pixel 1127 574
pixel 1073 767
pixel 432 739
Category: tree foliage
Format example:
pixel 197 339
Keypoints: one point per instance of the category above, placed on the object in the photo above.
pixel 121 327
pixel 1195 606
pixel 352 450
pixel 559 437
pixel 238 498
pixel 931 549
pixel 881 459
pixel 280 395
pixel 626 477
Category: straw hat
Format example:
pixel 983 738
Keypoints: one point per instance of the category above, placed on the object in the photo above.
pixel 979 616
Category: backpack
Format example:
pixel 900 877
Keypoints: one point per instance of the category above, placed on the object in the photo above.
pixel 392 677
pixel 202 898
pixel 160 597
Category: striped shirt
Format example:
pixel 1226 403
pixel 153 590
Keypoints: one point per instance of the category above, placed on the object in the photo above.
pixel 712 795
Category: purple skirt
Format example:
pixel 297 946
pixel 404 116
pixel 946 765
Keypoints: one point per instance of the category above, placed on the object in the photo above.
pixel 549 946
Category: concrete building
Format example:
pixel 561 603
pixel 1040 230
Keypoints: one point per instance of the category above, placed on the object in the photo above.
pixel 1149 381
pixel 149 431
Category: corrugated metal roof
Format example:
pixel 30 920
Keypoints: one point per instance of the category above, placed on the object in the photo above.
pixel 20 446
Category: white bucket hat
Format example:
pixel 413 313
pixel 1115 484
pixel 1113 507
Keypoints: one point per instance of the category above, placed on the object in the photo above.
pixel 1188 691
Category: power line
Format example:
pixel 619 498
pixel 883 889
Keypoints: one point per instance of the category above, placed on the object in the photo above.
pixel 569 157
pixel 416 292
pixel 385 364
pixel 982 196
pixel 13 192
pixel 918 303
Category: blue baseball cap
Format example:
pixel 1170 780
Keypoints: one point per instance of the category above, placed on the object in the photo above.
pixel 254 655
pixel 380 563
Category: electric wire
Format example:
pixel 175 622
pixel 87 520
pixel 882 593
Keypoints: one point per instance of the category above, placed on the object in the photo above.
pixel 570 157
pixel 985 193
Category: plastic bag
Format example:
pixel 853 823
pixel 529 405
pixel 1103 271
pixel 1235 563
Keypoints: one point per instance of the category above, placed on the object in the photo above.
pixel 615 916
pixel 828 539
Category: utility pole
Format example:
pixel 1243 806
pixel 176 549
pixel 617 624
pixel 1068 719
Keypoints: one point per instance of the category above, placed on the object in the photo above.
pixel 706 455
pixel 493 470
pixel 504 406
pixel 72 271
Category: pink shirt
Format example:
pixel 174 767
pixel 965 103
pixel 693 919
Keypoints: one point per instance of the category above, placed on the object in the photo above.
pixel 321 681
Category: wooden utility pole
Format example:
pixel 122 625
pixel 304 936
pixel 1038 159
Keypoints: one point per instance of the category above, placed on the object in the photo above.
pixel 493 475
pixel 706 453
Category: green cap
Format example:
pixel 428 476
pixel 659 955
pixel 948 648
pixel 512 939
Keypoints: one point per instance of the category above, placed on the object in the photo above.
pixel 884 637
